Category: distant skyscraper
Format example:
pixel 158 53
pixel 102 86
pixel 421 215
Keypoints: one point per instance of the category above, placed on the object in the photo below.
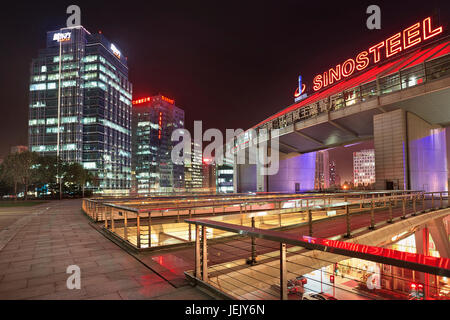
pixel 333 173
pixel 193 173
pixel 209 176
pixel 154 120
pixel 335 179
pixel 322 176
pixel 225 174
pixel 80 106
pixel 364 167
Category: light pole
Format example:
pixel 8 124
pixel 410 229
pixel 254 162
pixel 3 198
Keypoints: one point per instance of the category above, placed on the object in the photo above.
pixel 59 122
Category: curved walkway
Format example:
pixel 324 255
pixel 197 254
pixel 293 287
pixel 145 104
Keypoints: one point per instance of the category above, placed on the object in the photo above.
pixel 37 244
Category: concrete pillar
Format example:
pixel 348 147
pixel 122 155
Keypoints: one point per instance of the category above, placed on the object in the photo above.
pixel 440 237
pixel 410 153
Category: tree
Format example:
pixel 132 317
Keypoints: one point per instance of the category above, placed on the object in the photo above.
pixel 27 162
pixel 5 188
pixel 46 170
pixel 11 171
pixel 77 175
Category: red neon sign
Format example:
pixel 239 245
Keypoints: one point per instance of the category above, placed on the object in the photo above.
pixel 160 125
pixel 149 99
pixel 409 37
pixel 171 101
pixel 143 100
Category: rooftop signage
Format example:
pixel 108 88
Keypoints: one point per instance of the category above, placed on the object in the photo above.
pixel 115 51
pixel 61 37
pixel 149 99
pixel 401 41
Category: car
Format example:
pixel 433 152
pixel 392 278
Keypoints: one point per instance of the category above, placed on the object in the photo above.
pixel 300 280
pixel 293 289
pixel 317 296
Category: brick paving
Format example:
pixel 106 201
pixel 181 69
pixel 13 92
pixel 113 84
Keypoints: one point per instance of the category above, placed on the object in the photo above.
pixel 41 242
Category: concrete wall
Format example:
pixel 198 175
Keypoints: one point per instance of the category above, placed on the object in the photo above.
pixel 300 169
pixel 390 149
pixel 246 178
pixel 409 152
pixel 427 155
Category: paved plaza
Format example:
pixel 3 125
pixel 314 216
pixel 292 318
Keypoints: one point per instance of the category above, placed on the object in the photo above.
pixel 38 243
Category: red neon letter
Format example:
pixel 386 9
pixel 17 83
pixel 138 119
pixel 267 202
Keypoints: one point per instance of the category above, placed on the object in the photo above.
pixel 376 51
pixel 317 82
pixel 362 61
pixel 427 33
pixel 335 74
pixel 393 45
pixel 325 79
pixel 409 34
pixel 345 71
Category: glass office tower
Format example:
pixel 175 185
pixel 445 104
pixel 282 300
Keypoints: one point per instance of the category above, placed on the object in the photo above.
pixel 193 169
pixel 154 120
pixel 80 106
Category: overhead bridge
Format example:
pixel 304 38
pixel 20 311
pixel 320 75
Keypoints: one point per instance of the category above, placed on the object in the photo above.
pixel 403 105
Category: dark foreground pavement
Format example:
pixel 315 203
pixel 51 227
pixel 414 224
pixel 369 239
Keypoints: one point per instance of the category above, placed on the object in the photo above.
pixel 37 244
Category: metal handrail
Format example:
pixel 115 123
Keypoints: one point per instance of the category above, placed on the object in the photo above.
pixel 418 262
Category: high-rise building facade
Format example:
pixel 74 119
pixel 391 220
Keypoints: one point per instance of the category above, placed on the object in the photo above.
pixel 364 167
pixel 80 106
pixel 322 174
pixel 225 182
pixel 154 120
pixel 193 171
pixel 335 179
pixel 209 176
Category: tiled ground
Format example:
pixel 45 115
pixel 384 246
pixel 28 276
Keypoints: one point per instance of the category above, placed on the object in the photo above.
pixel 41 242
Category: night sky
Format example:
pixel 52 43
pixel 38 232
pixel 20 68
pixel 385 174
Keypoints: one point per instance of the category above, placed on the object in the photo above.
pixel 228 63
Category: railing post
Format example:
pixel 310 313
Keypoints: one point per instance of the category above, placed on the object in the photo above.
pixel 403 208
pixel 106 219
pixel 283 273
pixel 310 222
pixel 253 257
pixel 138 231
pixel 362 200
pixel 150 229
pixel 125 225
pixel 112 220
pixel 372 218
pixel 432 201
pixel 347 220
pixel 197 252
pixel 423 201
pixel 204 255
pixel 390 211
pixel 442 201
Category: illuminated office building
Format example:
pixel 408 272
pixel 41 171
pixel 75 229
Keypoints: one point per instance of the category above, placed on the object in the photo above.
pixel 209 176
pixel 364 167
pixel 322 173
pixel 225 176
pixel 193 171
pixel 80 106
pixel 154 120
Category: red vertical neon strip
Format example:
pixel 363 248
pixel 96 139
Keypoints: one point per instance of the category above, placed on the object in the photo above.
pixel 160 126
